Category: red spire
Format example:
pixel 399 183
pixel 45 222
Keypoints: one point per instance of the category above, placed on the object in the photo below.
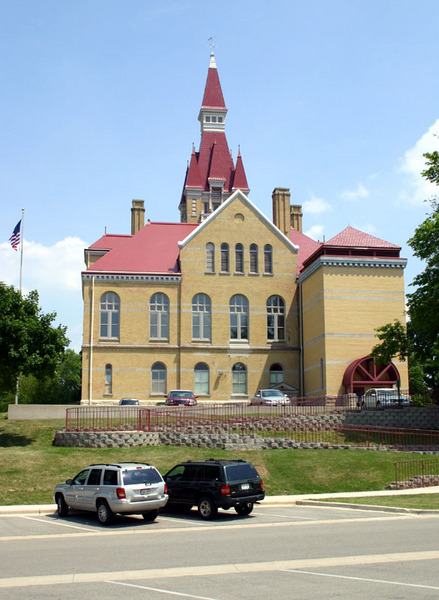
pixel 213 95
pixel 193 179
pixel 218 166
pixel 240 180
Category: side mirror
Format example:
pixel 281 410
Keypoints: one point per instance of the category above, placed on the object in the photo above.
pixel 69 481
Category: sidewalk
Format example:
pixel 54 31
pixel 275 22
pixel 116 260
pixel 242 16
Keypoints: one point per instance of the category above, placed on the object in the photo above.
pixel 41 509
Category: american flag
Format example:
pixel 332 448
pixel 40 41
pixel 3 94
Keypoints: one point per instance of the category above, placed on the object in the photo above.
pixel 15 237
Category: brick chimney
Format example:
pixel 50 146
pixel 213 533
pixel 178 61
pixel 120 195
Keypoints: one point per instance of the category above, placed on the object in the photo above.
pixel 281 210
pixel 296 217
pixel 137 216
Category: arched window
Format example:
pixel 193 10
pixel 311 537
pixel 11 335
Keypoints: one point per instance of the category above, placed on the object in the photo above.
pixel 159 317
pixel 276 375
pixel 225 258
pixel 210 258
pixel 110 316
pixel 254 258
pixel 239 379
pixel 268 259
pixel 201 378
pixel 108 379
pixel 238 317
pixel 239 258
pixel 275 319
pixel 201 317
pixel 158 378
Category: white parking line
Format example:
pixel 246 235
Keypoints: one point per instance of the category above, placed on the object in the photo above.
pixel 151 589
pixel 414 585
pixel 59 524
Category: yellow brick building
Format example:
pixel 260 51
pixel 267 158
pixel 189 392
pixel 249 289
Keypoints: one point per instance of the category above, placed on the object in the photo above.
pixel 228 301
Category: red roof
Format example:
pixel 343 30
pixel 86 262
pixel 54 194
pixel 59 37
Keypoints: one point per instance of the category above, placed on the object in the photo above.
pixel 213 95
pixel 153 249
pixel 240 180
pixel 215 142
pixel 307 247
pixel 355 238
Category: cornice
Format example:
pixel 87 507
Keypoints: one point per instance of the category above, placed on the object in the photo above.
pixel 133 278
pixel 352 262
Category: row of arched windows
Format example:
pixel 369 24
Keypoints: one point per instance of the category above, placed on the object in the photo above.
pixel 201 317
pixel 239 258
pixel 201 378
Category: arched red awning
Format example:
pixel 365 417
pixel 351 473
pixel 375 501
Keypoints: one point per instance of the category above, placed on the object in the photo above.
pixel 367 372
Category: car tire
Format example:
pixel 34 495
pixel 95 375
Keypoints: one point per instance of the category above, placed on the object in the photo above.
pixel 61 506
pixel 151 515
pixel 244 509
pixel 207 508
pixel 105 514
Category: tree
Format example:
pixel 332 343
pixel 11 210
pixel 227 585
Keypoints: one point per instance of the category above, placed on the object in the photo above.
pixel 420 342
pixel 29 343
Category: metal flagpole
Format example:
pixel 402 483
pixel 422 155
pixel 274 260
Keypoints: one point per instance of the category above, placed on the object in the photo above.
pixel 21 285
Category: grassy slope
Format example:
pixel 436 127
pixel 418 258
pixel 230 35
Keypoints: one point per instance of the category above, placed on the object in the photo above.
pixel 31 466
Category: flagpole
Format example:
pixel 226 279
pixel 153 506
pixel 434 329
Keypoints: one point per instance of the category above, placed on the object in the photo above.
pixel 21 287
pixel 21 251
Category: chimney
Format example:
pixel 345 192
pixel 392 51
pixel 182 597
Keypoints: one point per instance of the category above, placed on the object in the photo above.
pixel 281 210
pixel 137 216
pixel 296 217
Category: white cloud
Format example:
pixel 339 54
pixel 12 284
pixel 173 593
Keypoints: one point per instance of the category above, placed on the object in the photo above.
pixel 417 188
pixel 316 206
pixel 360 192
pixel 55 272
pixel 315 232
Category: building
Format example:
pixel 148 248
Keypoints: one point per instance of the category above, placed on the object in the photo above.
pixel 228 301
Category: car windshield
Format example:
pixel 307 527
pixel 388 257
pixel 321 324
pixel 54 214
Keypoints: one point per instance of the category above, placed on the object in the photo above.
pixel 181 394
pixel 271 394
pixel 238 472
pixel 140 475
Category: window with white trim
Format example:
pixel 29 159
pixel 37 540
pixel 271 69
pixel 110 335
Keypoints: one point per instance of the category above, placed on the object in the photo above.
pixel 268 259
pixel 275 319
pixel 201 379
pixel 108 379
pixel 159 317
pixel 225 258
pixel 239 258
pixel 238 317
pixel 210 258
pixel 158 378
pixel 276 375
pixel 109 316
pixel 201 317
pixel 239 379
pixel 254 258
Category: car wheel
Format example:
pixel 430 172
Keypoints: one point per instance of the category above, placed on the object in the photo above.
pixel 244 509
pixel 207 508
pixel 151 515
pixel 61 506
pixel 105 514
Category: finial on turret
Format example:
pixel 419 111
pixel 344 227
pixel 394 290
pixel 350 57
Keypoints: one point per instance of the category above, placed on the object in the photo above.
pixel 212 64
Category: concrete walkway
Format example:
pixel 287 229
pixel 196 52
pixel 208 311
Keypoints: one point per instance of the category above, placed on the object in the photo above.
pixel 39 509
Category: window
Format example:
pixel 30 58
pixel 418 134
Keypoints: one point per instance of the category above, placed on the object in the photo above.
pixel 95 477
pixel 108 379
pixel 159 317
pixel 238 317
pixel 275 319
pixel 224 258
pixel 110 316
pixel 220 119
pixel 268 259
pixel 239 375
pixel 210 258
pixel 213 119
pixel 253 258
pixel 201 317
pixel 239 258
pixel 110 477
pixel 201 378
pixel 207 119
pixel 158 378
pixel 276 375
pixel 216 193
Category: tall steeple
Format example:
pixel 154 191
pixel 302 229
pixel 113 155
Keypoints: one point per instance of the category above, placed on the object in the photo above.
pixel 211 176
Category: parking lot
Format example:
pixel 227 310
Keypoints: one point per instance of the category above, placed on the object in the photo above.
pixel 289 551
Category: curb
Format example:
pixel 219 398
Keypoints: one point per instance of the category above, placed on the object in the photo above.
pixel 369 507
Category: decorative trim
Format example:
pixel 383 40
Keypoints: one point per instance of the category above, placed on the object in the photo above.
pixel 368 263
pixel 136 278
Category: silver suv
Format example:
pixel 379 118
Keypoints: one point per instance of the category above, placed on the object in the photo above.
pixel 125 488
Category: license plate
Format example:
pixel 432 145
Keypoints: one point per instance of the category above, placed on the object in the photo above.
pixel 245 486
pixel 144 492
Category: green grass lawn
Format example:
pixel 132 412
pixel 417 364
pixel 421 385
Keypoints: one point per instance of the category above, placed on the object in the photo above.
pixel 418 501
pixel 31 466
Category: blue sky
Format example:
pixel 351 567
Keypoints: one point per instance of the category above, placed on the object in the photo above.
pixel 337 100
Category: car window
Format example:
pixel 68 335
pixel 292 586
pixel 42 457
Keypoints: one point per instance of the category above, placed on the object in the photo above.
pixel 95 477
pixel 176 472
pixel 238 472
pixel 134 476
pixel 209 473
pixel 81 477
pixel 190 472
pixel 110 477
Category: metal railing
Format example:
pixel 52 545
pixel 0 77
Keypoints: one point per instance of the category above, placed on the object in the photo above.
pixel 416 473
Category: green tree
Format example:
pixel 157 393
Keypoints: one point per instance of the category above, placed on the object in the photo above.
pixel 420 342
pixel 29 343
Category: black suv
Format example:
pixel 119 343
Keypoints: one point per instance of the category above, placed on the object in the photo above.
pixel 214 484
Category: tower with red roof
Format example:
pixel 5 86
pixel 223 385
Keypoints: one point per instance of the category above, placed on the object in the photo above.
pixel 212 175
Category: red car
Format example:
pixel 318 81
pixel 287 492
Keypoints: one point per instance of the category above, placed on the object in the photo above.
pixel 181 398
